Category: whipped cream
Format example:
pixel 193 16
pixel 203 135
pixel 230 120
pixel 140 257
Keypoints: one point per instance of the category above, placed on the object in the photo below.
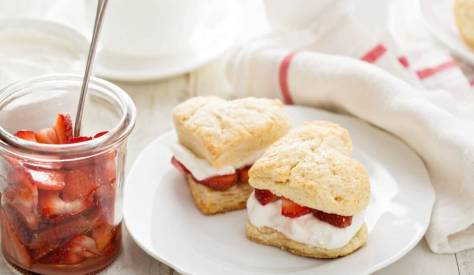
pixel 305 229
pixel 201 169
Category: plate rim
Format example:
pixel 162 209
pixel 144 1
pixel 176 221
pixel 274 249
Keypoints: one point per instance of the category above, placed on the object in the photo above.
pixel 464 53
pixel 408 247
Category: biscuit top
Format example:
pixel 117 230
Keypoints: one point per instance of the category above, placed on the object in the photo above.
pixel 226 132
pixel 312 166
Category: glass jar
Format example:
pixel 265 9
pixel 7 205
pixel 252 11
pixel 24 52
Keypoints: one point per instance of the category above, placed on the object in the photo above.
pixel 61 203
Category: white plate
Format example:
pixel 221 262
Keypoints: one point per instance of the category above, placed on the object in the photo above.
pixel 439 19
pixel 218 35
pixel 161 217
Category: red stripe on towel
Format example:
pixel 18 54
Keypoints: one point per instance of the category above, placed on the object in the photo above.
pixel 430 71
pixel 404 61
pixel 472 82
pixel 374 54
pixel 283 78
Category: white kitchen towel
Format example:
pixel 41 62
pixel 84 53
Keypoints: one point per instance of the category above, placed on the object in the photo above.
pixel 416 92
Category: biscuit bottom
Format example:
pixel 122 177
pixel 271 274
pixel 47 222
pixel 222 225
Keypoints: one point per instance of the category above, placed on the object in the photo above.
pixel 210 201
pixel 269 236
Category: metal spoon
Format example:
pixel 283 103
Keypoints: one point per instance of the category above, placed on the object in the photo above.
pixel 102 4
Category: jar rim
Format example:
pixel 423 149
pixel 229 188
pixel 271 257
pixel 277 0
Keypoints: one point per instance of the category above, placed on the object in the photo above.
pixel 9 142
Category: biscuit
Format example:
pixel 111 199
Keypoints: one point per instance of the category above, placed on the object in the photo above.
pixel 227 132
pixel 269 236
pixel 464 17
pixel 312 166
pixel 210 201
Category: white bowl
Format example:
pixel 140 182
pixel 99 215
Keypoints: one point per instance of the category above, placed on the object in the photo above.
pixel 32 47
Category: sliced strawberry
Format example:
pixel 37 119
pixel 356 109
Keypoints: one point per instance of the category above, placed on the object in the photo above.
pixel 103 232
pixel 84 246
pixel 47 135
pixel 26 135
pixel 40 252
pixel 79 139
pixel 293 210
pixel 106 167
pixel 265 196
pixel 54 236
pixel 99 134
pixel 243 174
pixel 51 206
pixel 217 183
pixel 63 128
pixel 21 229
pixel 81 182
pixel 60 133
pixel 84 138
pixel 220 182
pixel 115 243
pixel 22 195
pixel 11 244
pixel 179 166
pixel 48 179
pixel 75 251
pixel 105 199
pixel 333 219
pixel 12 161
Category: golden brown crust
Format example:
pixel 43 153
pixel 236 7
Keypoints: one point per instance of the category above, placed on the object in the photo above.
pixel 464 17
pixel 226 132
pixel 269 236
pixel 312 166
pixel 210 201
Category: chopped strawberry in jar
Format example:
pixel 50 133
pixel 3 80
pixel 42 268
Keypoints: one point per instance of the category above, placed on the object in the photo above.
pixel 11 243
pixel 81 183
pixel 47 179
pixel 59 189
pixel 52 206
pixel 63 215
pixel 75 251
pixel 21 194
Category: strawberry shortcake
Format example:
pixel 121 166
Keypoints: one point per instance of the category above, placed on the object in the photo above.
pixel 218 141
pixel 309 194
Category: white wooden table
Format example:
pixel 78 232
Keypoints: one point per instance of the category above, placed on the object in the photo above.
pixel 154 104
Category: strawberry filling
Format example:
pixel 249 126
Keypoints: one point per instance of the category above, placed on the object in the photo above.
pixel 220 183
pixel 293 210
pixel 336 220
pixel 265 196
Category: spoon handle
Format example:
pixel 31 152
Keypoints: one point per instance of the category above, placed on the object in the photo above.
pixel 102 4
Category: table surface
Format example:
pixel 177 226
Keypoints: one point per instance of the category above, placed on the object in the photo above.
pixel 155 102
